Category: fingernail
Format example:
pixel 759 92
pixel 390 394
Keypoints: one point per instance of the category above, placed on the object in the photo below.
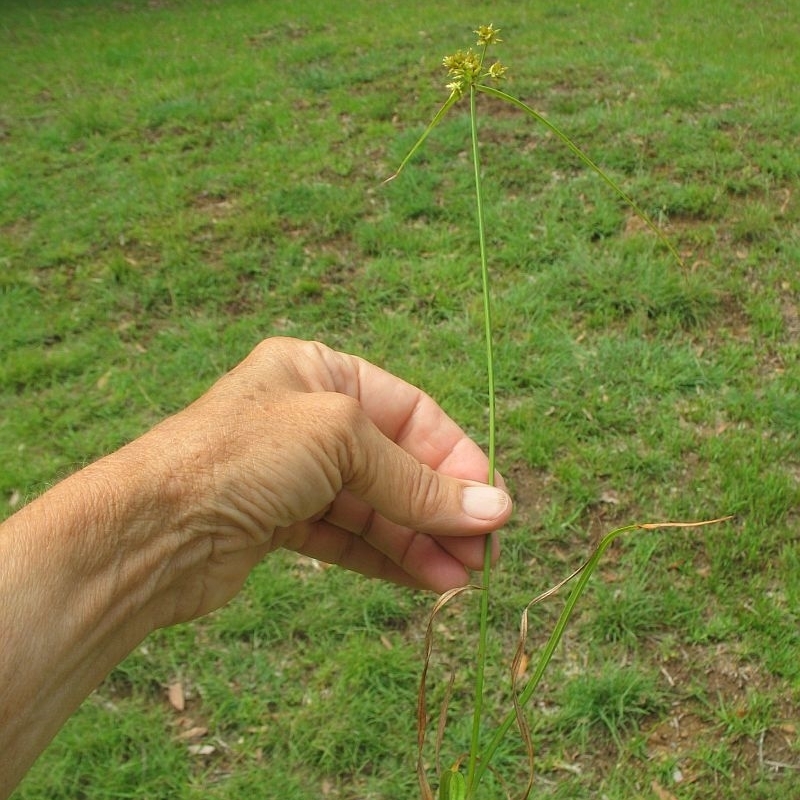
pixel 484 502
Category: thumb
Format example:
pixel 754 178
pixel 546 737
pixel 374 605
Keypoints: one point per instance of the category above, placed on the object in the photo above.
pixel 412 494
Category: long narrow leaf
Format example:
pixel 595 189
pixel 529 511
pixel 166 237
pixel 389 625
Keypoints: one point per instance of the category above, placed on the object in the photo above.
pixel 583 572
pixel 491 90
pixel 433 123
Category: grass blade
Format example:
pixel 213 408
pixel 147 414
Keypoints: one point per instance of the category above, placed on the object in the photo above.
pixel 433 123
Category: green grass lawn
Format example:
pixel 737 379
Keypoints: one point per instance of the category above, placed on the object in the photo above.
pixel 181 179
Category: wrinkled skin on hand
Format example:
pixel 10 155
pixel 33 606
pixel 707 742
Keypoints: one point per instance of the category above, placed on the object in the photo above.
pixel 323 453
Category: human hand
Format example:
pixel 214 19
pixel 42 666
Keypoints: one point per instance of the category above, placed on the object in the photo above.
pixel 305 448
pixel 298 447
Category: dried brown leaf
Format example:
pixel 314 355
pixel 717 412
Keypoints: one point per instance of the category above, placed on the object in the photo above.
pixel 177 697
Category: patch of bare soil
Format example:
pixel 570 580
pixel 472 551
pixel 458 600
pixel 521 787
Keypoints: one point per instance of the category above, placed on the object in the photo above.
pixel 715 712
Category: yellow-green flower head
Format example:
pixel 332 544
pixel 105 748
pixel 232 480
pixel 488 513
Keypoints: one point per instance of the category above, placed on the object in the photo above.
pixel 464 67
pixel 497 70
pixel 487 34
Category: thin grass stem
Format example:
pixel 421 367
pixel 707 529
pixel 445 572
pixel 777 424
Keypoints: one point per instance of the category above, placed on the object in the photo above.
pixel 474 750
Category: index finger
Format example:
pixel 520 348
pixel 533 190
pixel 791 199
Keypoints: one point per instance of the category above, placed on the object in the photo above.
pixel 410 417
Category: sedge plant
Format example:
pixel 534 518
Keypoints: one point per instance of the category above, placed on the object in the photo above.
pixel 471 74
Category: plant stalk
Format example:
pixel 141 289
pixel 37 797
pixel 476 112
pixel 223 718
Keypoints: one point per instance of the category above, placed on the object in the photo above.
pixel 480 666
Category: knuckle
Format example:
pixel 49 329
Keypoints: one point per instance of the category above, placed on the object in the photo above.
pixel 428 491
pixel 340 413
pixel 339 423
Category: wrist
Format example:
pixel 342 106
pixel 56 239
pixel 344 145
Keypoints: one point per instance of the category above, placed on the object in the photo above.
pixel 80 569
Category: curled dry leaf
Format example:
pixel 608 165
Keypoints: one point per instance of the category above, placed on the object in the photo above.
pixel 422 705
pixel 521 667
pixel 197 732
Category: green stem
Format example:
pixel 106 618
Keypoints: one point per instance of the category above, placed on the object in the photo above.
pixel 487 558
